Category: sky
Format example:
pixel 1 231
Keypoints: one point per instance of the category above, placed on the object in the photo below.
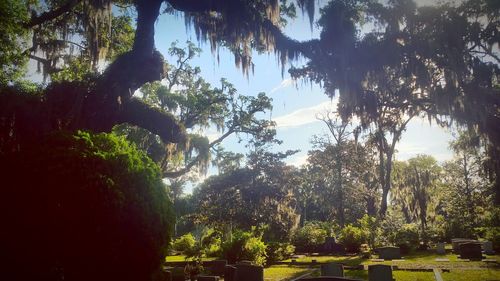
pixel 295 105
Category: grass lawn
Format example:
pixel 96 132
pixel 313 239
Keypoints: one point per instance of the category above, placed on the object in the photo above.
pixel 284 272
pixel 183 258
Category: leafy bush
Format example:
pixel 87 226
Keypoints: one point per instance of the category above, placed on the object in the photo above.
pixel 407 238
pixel 278 251
pixel 309 238
pixel 491 234
pixel 352 237
pixel 184 243
pixel 83 205
pixel 211 243
pixel 245 246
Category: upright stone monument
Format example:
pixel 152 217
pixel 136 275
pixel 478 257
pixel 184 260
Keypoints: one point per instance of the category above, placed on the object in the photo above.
pixel 247 272
pixel 380 272
pixel 217 267
pixel 440 250
pixel 488 248
pixel 389 253
pixel 178 274
pixel 328 278
pixel 471 250
pixel 207 278
pixel 332 269
pixel 230 273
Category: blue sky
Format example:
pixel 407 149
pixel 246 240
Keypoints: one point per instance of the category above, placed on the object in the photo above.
pixel 295 105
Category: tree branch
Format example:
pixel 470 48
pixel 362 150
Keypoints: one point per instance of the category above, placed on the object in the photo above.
pixel 50 15
pixel 163 124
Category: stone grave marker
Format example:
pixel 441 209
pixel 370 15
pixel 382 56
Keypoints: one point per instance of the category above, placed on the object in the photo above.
pixel 328 278
pixel 178 274
pixel 455 243
pixel 207 278
pixel 471 250
pixel 440 250
pixel 166 275
pixel 488 248
pixel 389 253
pixel 332 269
pixel 217 267
pixel 230 273
pixel 246 272
pixel 379 272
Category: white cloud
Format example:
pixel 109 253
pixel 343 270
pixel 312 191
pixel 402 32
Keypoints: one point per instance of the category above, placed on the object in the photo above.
pixel 284 84
pixel 304 116
pixel 297 160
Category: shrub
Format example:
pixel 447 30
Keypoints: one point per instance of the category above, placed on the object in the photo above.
pixel 211 243
pixel 309 238
pixel 82 207
pixel 245 246
pixel 352 237
pixel 278 251
pixel 184 243
pixel 491 234
pixel 407 238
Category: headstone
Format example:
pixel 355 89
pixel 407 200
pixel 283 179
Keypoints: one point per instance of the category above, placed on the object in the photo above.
pixel 488 248
pixel 217 267
pixel 178 274
pixel 328 278
pixel 379 272
pixel 471 250
pixel 332 269
pixel 442 260
pixel 246 272
pixel 207 278
pixel 166 275
pixel 440 249
pixel 230 273
pixel 455 243
pixel 389 253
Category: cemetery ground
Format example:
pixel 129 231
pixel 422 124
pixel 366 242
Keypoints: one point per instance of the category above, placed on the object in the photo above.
pixel 415 266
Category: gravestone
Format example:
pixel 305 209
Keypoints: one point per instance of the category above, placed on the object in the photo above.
pixel 166 275
pixel 217 267
pixel 455 243
pixel 440 250
pixel 178 274
pixel 471 250
pixel 379 272
pixel 389 253
pixel 207 278
pixel 332 269
pixel 328 278
pixel 230 273
pixel 488 248
pixel 246 272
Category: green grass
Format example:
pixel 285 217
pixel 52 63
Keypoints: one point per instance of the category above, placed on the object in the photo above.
pixel 284 272
pixel 183 258
pixel 470 275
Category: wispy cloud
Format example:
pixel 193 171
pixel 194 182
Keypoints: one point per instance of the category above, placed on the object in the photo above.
pixel 304 116
pixel 284 84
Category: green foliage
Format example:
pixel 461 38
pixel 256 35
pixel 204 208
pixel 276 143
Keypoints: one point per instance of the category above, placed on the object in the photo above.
pixel 211 242
pixel 278 251
pixel 78 201
pixel 245 246
pixel 185 243
pixel 13 14
pixel 352 237
pixel 309 237
pixel 407 238
pixel 370 227
pixel 490 234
